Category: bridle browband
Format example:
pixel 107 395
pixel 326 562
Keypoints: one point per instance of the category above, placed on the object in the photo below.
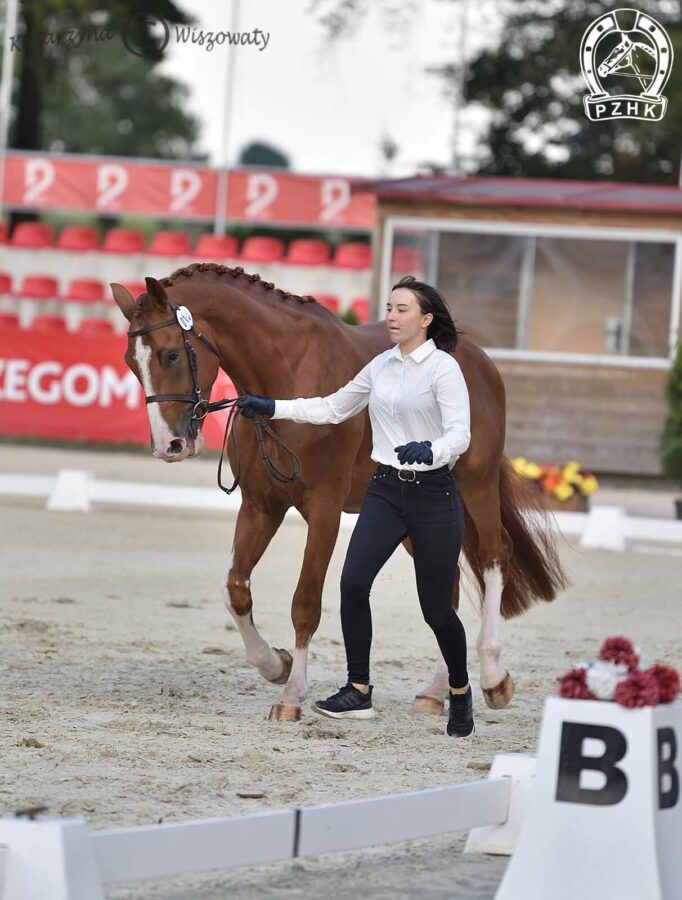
pixel 202 407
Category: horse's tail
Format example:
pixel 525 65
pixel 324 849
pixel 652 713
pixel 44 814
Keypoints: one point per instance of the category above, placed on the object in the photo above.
pixel 535 571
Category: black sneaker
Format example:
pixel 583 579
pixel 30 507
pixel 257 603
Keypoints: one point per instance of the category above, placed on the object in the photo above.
pixel 347 703
pixel 461 721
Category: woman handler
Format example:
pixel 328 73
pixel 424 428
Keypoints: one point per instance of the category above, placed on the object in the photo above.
pixel 419 412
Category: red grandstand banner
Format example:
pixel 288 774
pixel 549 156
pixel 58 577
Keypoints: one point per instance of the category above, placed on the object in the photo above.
pixel 111 186
pixel 78 388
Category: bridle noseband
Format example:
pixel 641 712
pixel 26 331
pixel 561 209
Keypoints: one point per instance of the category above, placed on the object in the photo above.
pixel 202 407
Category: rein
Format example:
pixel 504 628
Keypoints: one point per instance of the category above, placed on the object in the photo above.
pixel 202 407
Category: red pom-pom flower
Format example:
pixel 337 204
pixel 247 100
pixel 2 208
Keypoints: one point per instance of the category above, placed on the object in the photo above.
pixel 621 651
pixel 638 689
pixel 668 681
pixel 618 675
pixel 573 685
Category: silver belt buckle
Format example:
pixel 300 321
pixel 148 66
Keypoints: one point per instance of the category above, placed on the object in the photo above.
pixel 411 471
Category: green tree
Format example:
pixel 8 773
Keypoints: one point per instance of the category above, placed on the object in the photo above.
pixel 672 439
pixel 65 91
pixel 259 153
pixel 104 100
pixel 532 87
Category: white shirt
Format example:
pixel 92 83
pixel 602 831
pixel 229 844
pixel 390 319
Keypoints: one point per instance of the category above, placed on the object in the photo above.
pixel 421 397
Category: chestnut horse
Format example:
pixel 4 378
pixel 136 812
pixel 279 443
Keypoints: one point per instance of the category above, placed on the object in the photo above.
pixel 281 345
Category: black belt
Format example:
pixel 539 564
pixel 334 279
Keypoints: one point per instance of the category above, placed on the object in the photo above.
pixel 411 475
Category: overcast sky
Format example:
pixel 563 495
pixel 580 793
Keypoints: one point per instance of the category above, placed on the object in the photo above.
pixel 328 106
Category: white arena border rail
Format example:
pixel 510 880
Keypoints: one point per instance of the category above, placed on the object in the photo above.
pixel 58 859
pixel 76 490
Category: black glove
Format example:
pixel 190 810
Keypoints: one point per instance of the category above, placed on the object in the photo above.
pixel 249 405
pixel 415 452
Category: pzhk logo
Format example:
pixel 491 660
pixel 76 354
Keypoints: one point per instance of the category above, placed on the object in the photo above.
pixel 609 52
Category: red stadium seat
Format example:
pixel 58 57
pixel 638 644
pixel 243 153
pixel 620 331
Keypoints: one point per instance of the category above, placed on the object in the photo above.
pixel 329 301
pixel 87 290
pixel 360 307
pixel 123 240
pixel 5 283
pixel 170 243
pixel 39 287
pixel 305 252
pixel 95 326
pixel 353 255
pixel 3 232
pixel 262 249
pixel 408 260
pixel 48 323
pixel 78 237
pixel 32 234
pixel 210 246
pixel 9 320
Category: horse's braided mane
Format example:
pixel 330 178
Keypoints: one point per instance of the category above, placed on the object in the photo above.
pixel 236 272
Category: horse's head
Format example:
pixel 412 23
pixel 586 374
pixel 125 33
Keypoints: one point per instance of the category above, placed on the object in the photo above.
pixel 175 364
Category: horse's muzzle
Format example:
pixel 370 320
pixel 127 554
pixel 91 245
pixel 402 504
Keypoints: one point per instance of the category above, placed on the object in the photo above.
pixel 181 448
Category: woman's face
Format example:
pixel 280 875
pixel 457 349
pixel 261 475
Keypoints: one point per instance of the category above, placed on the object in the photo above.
pixel 405 320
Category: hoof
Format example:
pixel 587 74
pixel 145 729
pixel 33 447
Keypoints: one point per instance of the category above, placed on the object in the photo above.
pixel 282 713
pixel 500 695
pixel 428 705
pixel 288 661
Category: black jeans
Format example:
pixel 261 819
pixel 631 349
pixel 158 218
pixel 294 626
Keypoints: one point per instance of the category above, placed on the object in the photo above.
pixel 429 510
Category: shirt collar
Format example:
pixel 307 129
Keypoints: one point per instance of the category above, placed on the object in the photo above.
pixel 422 351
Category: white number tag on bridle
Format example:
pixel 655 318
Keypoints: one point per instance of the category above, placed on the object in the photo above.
pixel 184 317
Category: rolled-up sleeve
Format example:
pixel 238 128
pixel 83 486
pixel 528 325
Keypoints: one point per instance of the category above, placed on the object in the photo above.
pixel 333 408
pixel 453 399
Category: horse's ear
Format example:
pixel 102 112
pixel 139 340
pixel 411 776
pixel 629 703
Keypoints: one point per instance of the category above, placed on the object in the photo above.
pixel 124 299
pixel 156 292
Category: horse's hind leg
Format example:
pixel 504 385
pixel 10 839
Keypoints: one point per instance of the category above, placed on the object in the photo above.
pixel 494 553
pixel 430 700
pixel 254 530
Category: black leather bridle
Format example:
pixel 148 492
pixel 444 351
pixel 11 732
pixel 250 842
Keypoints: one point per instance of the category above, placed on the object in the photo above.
pixel 202 407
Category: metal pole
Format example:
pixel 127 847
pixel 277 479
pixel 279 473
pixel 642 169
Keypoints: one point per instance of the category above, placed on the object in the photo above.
pixel 10 28
pixel 459 93
pixel 221 193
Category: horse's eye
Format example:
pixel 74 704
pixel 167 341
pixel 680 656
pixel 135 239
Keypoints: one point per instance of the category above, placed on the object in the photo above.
pixel 172 357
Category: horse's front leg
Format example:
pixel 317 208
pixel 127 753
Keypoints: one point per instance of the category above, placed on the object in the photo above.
pixel 254 530
pixel 323 517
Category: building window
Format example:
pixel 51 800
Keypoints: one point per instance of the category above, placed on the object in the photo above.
pixel 547 293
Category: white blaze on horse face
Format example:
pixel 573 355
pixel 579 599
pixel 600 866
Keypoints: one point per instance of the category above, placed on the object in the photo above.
pixel 488 643
pixel 161 433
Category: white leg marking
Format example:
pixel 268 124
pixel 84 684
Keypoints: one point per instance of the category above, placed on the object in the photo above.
pixel 297 686
pixel 488 644
pixel 161 433
pixel 258 652
pixel 440 685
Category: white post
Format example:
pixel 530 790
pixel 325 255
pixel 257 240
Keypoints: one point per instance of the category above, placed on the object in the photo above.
pixel 604 815
pixel 11 17
pixel 48 859
pixel 223 174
